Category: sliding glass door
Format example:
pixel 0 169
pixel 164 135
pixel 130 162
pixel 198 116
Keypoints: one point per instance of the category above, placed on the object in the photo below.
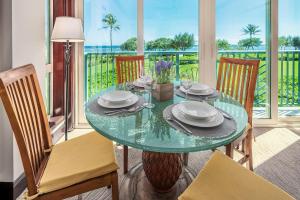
pixel 241 32
pixel 288 58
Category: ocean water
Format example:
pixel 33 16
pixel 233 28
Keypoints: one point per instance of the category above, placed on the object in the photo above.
pixel 101 49
pixel 116 48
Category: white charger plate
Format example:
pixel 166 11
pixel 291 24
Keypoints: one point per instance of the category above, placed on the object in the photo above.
pixel 117 97
pixel 199 88
pixel 204 93
pixel 197 110
pixel 203 123
pixel 127 103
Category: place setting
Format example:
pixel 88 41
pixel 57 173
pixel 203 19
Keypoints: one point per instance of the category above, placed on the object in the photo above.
pixel 195 91
pixel 141 82
pixel 117 103
pixel 199 118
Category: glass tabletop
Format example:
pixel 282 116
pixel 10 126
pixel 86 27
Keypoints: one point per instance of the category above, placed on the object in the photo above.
pixel 147 130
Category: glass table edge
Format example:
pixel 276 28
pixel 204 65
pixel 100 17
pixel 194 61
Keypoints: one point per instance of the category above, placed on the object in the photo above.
pixel 167 150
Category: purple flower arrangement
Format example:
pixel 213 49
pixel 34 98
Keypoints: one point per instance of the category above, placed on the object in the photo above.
pixel 163 71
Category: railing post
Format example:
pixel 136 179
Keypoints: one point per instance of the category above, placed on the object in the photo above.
pixel 85 77
pixel 107 63
pixel 113 69
pixel 293 75
pixel 298 78
pixel 281 77
pixel 177 66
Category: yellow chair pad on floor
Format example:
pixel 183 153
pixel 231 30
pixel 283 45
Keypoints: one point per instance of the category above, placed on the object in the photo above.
pixel 224 179
pixel 78 160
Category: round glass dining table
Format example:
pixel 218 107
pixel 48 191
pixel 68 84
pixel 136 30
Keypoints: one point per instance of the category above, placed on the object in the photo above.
pixel 161 144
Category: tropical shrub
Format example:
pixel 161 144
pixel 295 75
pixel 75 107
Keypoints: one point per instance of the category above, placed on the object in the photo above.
pixel 183 41
pixel 129 45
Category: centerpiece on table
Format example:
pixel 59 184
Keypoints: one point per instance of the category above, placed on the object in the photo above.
pixel 164 89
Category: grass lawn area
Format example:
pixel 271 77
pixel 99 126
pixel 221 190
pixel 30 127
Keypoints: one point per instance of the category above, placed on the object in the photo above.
pixel 100 72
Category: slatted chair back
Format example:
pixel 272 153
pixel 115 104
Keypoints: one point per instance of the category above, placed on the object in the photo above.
pixel 129 68
pixel 22 99
pixel 237 78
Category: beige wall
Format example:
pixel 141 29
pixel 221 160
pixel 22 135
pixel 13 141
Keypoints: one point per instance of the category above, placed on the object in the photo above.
pixel 28 36
pixel 23 21
pixel 6 138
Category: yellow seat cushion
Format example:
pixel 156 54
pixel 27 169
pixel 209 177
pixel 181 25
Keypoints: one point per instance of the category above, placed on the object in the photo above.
pixel 78 160
pixel 223 179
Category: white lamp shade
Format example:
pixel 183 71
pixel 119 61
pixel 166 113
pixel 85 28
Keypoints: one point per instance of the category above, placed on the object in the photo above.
pixel 67 28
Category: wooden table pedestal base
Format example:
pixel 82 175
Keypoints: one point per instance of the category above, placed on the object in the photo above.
pixel 135 185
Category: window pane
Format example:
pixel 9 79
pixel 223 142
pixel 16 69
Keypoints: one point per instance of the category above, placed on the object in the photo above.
pixel 288 58
pixel 171 33
pixel 107 25
pixel 241 33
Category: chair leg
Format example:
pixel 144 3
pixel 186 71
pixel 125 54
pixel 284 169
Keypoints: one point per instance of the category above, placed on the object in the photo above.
pixel 229 150
pixel 125 158
pixel 248 141
pixel 115 186
pixel 185 159
pixel 243 146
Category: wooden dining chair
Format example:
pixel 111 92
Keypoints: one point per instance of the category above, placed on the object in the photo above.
pixel 129 68
pixel 237 78
pixel 53 171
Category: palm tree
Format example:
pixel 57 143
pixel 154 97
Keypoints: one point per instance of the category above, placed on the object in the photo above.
pixel 296 42
pixel 110 22
pixel 252 30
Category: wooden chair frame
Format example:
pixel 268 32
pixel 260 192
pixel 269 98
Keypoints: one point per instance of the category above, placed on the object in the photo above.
pixel 129 68
pixel 237 78
pixel 22 99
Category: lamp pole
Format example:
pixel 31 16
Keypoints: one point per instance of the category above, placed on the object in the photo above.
pixel 66 30
pixel 66 85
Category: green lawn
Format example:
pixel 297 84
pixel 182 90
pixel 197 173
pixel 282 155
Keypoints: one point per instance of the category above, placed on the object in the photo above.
pixel 100 72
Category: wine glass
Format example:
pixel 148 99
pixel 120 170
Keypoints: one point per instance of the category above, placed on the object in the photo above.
pixel 142 72
pixel 149 86
pixel 186 82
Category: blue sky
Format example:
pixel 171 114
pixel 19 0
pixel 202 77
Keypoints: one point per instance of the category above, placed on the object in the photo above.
pixel 169 17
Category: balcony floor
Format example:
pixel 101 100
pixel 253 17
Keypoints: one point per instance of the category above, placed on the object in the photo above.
pixel 283 112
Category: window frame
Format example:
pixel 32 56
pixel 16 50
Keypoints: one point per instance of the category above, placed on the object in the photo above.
pixel 207 53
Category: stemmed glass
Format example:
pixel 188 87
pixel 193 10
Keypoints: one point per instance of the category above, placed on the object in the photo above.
pixel 148 83
pixel 149 86
pixel 186 82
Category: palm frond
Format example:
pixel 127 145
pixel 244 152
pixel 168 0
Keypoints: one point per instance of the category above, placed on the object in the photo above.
pixel 116 27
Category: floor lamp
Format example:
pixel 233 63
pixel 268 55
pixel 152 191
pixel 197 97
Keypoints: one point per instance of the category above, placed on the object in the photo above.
pixel 67 29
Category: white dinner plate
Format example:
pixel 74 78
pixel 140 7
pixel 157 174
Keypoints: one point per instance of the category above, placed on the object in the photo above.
pixel 127 103
pixel 139 83
pixel 203 123
pixel 117 97
pixel 197 110
pixel 203 93
pixel 199 88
